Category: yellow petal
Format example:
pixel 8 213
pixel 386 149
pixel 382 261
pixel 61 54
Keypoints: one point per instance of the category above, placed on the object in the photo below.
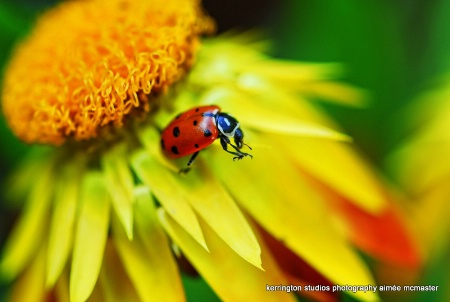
pixel 96 295
pixel 218 209
pixel 431 219
pixel 30 286
pixel 28 233
pixel 413 160
pixel 90 236
pixel 119 182
pixel 62 287
pixel 294 72
pixel 231 64
pixel 338 166
pixel 303 79
pixel 335 92
pixel 19 184
pixel 163 185
pixel 113 280
pixel 228 62
pixel 244 282
pixel 270 189
pixel 148 259
pixel 435 130
pixel 62 221
pixel 259 115
pixel 286 126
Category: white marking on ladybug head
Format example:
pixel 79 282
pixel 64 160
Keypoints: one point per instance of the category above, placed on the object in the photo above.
pixel 224 122
pixel 229 134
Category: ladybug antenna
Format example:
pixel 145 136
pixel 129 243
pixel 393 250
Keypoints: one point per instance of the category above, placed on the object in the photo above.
pixel 248 146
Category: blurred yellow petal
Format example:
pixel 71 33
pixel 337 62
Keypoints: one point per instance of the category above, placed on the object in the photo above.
pixel 413 159
pixel 231 277
pixel 96 296
pixel 431 216
pixel 293 74
pixel 430 141
pixel 148 259
pixel 228 63
pixel 62 287
pixel 30 286
pixel 336 92
pixel 90 236
pixel 435 130
pixel 323 88
pixel 286 126
pixel 29 231
pixel 268 119
pixel 20 183
pixel 292 114
pixel 288 208
pixel 208 197
pixel 62 221
pixel 163 185
pixel 271 122
pixel 119 182
pixel 113 279
pixel 338 166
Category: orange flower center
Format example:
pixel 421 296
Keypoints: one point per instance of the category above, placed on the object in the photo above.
pixel 88 64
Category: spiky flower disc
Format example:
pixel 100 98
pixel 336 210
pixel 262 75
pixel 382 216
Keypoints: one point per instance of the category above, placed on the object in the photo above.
pixel 89 85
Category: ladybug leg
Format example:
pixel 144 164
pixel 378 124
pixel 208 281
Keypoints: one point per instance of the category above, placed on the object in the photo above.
pixel 192 159
pixel 225 141
pixel 190 162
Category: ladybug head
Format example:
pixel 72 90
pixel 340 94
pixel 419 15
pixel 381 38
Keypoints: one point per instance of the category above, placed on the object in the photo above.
pixel 229 127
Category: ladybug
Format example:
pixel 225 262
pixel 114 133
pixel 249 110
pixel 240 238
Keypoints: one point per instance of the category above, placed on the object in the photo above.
pixel 194 130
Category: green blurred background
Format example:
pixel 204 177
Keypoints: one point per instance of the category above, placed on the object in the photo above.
pixel 392 48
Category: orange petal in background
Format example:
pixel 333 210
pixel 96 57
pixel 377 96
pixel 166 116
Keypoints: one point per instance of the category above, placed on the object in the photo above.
pixel 384 235
pixel 297 271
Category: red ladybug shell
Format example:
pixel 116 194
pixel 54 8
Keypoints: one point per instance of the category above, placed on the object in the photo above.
pixel 190 132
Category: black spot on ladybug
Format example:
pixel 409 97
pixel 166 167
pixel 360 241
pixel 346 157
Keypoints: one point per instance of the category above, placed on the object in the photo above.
pixel 197 109
pixel 174 150
pixel 195 123
pixel 162 144
pixel 176 131
pixel 196 145
pixel 207 133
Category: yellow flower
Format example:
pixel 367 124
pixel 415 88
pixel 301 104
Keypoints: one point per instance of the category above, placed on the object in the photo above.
pixel 106 215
